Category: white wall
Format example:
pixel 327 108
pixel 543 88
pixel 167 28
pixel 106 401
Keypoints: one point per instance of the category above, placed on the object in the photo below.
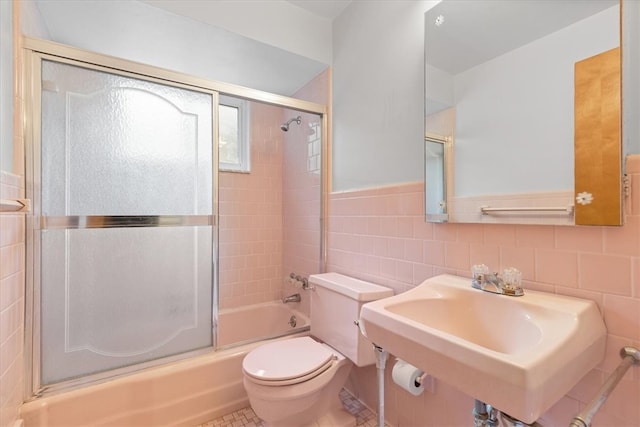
pixel 514 114
pixel 275 22
pixel 6 86
pixel 439 86
pixel 31 23
pixel 378 93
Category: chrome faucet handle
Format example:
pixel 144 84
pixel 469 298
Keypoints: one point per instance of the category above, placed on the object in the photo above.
pixel 480 273
pixel 512 278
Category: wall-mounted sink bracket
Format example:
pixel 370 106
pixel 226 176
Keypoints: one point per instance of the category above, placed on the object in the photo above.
pixel 630 356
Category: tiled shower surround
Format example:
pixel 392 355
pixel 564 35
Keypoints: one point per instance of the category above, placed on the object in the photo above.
pixel 269 218
pixel 251 217
pixel 380 235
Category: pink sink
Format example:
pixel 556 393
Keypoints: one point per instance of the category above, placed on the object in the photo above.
pixel 518 354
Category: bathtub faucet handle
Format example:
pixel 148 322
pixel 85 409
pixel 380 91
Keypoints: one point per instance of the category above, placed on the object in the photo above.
pixel 306 285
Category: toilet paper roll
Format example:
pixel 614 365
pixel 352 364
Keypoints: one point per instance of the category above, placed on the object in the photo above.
pixel 405 375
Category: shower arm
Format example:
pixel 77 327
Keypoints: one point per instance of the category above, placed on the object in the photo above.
pixel 285 126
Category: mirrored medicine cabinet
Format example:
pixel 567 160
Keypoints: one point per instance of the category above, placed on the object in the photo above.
pixel 523 112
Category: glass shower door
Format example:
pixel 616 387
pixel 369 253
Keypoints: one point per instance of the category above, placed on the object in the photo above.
pixel 125 232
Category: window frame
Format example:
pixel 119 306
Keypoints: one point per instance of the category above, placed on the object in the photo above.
pixel 244 143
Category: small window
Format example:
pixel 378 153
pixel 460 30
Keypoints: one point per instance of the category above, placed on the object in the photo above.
pixel 234 134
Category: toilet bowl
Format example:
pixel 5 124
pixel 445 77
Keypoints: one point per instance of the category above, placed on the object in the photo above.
pixel 296 382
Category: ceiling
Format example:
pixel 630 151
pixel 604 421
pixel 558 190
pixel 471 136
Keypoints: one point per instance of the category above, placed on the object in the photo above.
pixel 326 8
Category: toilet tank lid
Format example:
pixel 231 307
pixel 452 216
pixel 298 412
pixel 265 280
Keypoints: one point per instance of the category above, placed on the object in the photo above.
pixel 356 289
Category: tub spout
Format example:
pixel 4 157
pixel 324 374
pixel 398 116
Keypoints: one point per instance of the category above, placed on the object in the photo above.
pixel 291 298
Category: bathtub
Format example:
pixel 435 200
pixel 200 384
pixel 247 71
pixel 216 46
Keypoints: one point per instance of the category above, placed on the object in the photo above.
pixel 184 393
pixel 248 324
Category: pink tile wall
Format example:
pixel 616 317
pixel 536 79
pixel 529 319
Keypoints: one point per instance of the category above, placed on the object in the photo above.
pixel 301 188
pixel 380 235
pixel 251 217
pixel 256 250
pixel 12 275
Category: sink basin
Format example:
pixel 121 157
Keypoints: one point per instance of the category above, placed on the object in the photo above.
pixel 518 354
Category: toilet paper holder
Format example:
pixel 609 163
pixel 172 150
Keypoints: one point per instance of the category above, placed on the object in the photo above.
pixel 412 379
pixel 421 379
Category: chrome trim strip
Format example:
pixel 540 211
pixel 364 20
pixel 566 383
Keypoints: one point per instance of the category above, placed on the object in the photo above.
pixel 123 221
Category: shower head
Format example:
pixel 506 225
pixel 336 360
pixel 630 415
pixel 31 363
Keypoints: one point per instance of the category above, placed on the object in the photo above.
pixel 285 126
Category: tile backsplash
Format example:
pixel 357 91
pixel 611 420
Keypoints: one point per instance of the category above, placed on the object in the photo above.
pixel 380 235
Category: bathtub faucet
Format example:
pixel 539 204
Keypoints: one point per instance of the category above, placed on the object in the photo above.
pixel 291 298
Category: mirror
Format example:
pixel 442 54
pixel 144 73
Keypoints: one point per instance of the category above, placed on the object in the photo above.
pixel 501 94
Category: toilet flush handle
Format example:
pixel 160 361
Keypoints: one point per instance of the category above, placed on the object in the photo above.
pixel 360 326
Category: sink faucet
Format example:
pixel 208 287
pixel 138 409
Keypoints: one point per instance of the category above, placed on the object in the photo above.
pixel 291 298
pixel 509 284
pixel 489 282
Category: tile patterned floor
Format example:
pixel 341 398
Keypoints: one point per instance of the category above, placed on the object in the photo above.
pixel 245 417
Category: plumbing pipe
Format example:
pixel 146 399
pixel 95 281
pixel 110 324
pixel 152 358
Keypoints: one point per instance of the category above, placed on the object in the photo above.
pixel 480 414
pixel 630 356
pixel 381 362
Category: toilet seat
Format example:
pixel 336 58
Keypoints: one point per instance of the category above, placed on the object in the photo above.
pixel 287 362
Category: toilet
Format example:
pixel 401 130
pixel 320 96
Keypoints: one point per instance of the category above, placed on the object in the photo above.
pixel 297 381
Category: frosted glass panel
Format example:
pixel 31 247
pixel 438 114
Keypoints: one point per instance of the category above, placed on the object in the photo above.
pixel 118 146
pixel 122 146
pixel 115 297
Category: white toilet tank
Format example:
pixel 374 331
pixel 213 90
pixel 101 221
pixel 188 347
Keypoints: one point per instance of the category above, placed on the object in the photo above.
pixel 335 305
